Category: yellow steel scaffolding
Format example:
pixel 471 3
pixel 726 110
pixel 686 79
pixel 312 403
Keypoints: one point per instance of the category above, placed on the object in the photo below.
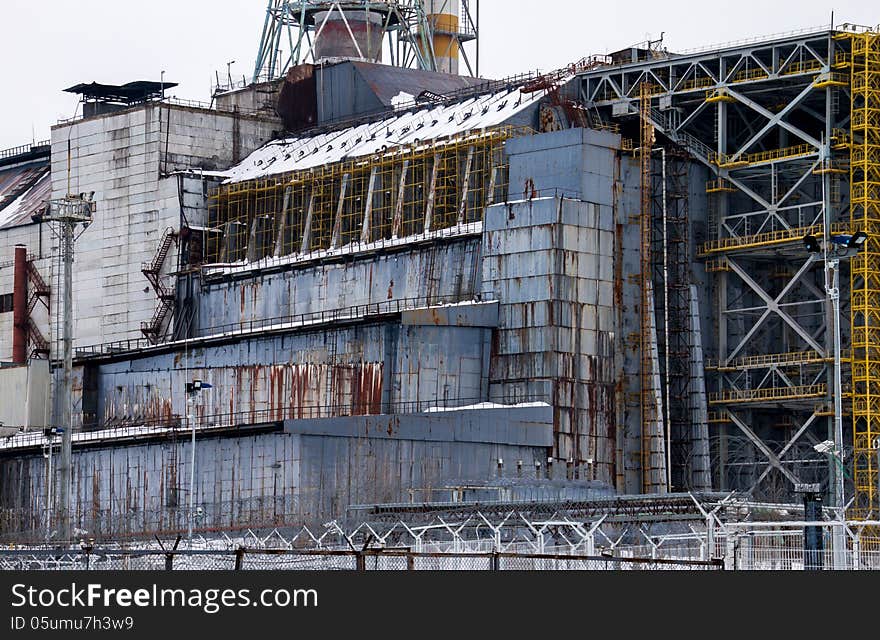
pixel 768 239
pixel 653 477
pixel 406 191
pixel 864 63
pixel 772 394
pixel 726 161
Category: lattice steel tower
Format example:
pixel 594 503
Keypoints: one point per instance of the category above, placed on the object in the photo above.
pixel 422 34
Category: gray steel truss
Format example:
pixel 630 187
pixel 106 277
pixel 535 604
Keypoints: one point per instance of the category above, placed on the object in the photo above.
pixel 764 122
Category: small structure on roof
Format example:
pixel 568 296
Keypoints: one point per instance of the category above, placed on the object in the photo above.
pixel 106 98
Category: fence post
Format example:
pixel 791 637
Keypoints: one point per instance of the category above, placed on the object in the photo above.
pixel 496 561
pixel 239 559
pixel 169 562
pixel 730 553
pixel 361 560
pixel 410 562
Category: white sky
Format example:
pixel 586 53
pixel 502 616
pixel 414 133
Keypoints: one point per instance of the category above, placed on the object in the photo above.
pixel 49 45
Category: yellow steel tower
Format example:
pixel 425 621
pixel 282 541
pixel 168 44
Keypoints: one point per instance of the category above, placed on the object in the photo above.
pixel 865 296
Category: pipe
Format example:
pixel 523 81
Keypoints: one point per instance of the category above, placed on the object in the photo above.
pixel 20 307
pixel 443 17
pixel 666 329
pixel 350 34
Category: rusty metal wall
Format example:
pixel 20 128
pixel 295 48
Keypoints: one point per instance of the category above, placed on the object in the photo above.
pixel 550 263
pixel 359 370
pixel 438 270
pixel 309 475
pixel 588 274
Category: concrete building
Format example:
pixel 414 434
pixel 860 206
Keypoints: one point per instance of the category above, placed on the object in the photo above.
pixel 392 299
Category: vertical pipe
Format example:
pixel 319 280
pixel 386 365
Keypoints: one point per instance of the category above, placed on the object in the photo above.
pixel 20 307
pixel 666 328
pixel 839 540
pixel 192 468
pixel 443 17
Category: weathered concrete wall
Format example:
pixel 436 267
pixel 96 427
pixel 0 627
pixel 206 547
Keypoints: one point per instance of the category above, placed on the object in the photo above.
pixel 550 264
pixel 23 395
pixel 440 270
pixel 308 475
pixel 122 158
pixel 261 97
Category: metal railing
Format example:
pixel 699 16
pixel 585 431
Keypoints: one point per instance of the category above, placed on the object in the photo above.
pixel 724 160
pixel 23 149
pixel 285 323
pixel 154 426
pixel 755 40
pixel 772 360
pixel 772 394
pixel 768 238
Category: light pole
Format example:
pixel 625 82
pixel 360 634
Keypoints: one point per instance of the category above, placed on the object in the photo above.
pixel 836 248
pixel 67 214
pixel 48 452
pixel 192 390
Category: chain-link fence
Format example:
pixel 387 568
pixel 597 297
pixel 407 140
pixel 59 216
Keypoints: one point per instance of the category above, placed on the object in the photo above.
pixel 371 560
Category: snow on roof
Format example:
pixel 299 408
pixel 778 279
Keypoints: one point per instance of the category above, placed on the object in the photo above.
pixel 24 192
pixel 429 123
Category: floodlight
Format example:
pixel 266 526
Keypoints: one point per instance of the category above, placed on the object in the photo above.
pixel 811 244
pixel 825 447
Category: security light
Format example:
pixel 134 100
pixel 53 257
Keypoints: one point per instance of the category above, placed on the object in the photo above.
pixel 842 245
pixel 825 447
pixel 857 240
pixel 811 244
pixel 197 385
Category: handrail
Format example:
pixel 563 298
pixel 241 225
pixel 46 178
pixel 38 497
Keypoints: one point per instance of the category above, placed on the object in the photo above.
pixel 23 149
pixel 357 312
pixel 742 396
pixel 145 427
pixel 767 238
pixel 727 160
pixel 770 360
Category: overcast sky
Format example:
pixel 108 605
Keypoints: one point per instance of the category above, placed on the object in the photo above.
pixel 48 45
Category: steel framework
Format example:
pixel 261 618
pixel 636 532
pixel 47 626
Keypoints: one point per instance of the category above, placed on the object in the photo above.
pixel 291 28
pixel 413 190
pixel 863 63
pixel 772 125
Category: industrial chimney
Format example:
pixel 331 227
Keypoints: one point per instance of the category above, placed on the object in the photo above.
pixel 350 30
pixel 443 16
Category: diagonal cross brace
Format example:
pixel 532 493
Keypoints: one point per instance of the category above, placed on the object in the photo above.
pixel 785 450
pixel 763 448
pixel 773 306
pixel 775 118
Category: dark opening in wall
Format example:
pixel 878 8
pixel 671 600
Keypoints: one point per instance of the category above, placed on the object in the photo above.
pixel 6 303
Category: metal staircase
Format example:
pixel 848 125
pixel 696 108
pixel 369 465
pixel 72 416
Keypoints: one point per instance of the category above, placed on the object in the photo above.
pixel 39 290
pixel 155 328
pixel 39 345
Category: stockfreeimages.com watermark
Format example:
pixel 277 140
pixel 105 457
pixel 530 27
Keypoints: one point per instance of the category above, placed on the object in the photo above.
pixel 210 601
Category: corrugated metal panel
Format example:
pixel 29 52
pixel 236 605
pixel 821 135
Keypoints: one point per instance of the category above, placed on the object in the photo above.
pixel 24 192
pixel 255 482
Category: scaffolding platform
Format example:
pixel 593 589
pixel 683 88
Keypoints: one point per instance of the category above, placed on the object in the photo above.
pixel 765 240
pixel 769 395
